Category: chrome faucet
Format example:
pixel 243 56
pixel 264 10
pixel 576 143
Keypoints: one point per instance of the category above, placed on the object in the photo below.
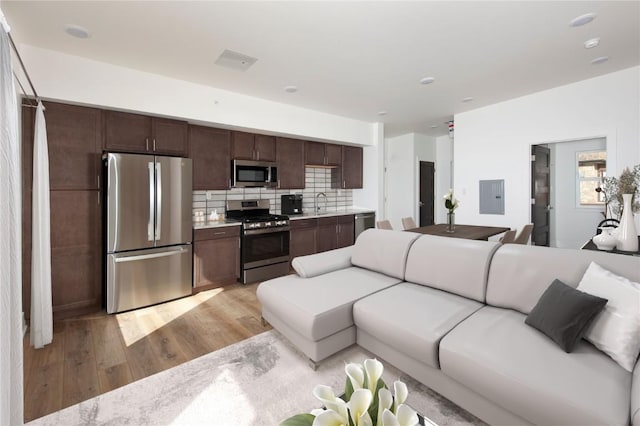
pixel 316 206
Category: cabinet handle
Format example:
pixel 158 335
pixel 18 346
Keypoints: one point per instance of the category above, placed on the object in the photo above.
pixel 154 144
pixel 344 183
pixel 219 233
pixel 146 141
pixel 98 181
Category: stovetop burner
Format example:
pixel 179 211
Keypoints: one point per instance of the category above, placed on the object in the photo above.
pixel 254 214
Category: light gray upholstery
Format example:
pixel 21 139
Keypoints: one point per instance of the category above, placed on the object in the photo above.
pixel 412 318
pixel 322 263
pixel 495 354
pixel 383 251
pixel 520 274
pixel 635 395
pixel 452 264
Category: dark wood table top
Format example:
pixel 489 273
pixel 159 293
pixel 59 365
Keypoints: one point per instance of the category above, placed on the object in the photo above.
pixel 469 232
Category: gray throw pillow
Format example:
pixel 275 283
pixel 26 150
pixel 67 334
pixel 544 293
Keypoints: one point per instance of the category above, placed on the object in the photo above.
pixel 564 313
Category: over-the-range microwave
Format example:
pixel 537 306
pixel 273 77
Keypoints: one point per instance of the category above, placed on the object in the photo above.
pixel 253 174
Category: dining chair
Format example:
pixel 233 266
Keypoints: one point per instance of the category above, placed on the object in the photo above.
pixel 523 236
pixel 508 237
pixel 384 224
pixel 408 223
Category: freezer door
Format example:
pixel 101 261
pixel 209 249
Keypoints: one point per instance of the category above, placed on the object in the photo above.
pixel 173 201
pixel 130 201
pixel 145 277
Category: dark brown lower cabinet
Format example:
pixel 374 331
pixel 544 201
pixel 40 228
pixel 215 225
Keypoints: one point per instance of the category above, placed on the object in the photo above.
pixel 335 232
pixel 303 237
pixel 216 257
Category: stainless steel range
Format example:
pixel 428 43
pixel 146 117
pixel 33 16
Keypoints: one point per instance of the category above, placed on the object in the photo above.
pixel 265 240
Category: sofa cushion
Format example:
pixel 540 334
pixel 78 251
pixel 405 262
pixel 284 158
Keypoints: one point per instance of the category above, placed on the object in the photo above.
pixel 564 313
pixel 616 330
pixel 412 318
pixel 519 274
pixel 383 251
pixel 452 264
pixel 321 263
pixel 320 306
pixel 496 355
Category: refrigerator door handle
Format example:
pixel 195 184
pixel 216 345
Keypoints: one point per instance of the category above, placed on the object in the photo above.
pixel 158 200
pixel 152 200
pixel 149 256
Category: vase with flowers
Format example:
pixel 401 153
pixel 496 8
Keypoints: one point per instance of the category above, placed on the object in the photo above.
pixel 366 401
pixel 622 195
pixel 451 204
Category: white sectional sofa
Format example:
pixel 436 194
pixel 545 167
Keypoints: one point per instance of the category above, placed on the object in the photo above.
pixel 450 313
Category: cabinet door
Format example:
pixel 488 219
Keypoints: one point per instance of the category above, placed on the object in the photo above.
pixel 303 237
pixel 169 137
pixel 314 153
pixel 346 227
pixel 242 146
pixel 351 167
pixel 76 252
pixel 290 160
pixel 127 132
pixel 327 238
pixel 265 148
pixel 210 150
pixel 333 154
pixel 216 262
pixel 74 135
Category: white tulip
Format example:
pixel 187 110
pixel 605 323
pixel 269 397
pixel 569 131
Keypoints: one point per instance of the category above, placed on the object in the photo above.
pixel 358 407
pixel 330 418
pixel 406 415
pixel 389 419
pixel 385 400
pixel 355 374
pixel 325 395
pixel 401 392
pixel 374 369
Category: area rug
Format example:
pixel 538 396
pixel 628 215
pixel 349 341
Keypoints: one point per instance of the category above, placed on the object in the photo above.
pixel 260 381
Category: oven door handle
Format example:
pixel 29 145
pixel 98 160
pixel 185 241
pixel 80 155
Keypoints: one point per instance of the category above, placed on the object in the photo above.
pixel 266 230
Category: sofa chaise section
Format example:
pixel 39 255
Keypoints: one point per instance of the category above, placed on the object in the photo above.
pixel 316 313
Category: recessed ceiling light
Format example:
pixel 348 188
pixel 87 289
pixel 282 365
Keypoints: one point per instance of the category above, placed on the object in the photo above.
pixel 469 99
pixel 582 20
pixel 591 43
pixel 291 89
pixel 76 31
pixel 382 112
pixel 600 60
pixel 427 80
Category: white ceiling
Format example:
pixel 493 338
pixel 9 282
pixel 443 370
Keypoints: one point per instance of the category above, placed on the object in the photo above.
pixel 350 58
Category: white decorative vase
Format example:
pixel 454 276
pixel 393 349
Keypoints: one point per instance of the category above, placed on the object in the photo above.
pixel 627 234
pixel 607 239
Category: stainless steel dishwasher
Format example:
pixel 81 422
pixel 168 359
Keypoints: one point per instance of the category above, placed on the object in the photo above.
pixel 363 221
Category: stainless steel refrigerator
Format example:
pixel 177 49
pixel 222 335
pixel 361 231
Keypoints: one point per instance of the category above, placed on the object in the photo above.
pixel 148 227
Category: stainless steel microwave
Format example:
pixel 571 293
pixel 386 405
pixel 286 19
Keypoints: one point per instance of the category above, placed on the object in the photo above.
pixel 253 174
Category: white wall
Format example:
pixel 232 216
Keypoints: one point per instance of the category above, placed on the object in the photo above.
pixel 400 179
pixel 444 158
pixel 494 142
pixel 371 194
pixel 571 225
pixel 79 80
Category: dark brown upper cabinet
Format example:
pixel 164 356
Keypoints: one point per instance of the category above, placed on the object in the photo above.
pixel 74 135
pixel 210 150
pixel 249 146
pixel 126 132
pixel 290 161
pixel 351 167
pixel 322 154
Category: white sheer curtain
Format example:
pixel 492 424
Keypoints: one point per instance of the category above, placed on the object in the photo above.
pixel 11 405
pixel 41 321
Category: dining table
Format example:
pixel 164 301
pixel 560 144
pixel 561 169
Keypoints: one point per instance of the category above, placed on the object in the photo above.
pixel 469 232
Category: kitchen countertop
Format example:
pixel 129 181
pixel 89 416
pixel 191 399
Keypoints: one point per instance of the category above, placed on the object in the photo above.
pixel 310 215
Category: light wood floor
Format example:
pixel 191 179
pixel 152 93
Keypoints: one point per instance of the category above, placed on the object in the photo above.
pixel 94 354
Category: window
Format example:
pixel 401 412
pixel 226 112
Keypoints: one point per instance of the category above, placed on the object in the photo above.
pixel 592 169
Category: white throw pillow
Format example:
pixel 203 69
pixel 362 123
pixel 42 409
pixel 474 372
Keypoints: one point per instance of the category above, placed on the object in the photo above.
pixel 616 329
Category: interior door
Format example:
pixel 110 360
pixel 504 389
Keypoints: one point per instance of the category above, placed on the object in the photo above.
pixel 427 194
pixel 540 194
pixel 173 200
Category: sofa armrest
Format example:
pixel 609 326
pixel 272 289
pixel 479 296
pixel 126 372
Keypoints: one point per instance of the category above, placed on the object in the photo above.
pixel 322 263
pixel 635 395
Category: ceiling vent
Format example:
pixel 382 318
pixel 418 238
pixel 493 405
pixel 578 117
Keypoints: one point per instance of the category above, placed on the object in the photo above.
pixel 235 60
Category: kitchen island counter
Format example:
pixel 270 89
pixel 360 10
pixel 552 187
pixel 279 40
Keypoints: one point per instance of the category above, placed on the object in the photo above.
pixel 215 224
